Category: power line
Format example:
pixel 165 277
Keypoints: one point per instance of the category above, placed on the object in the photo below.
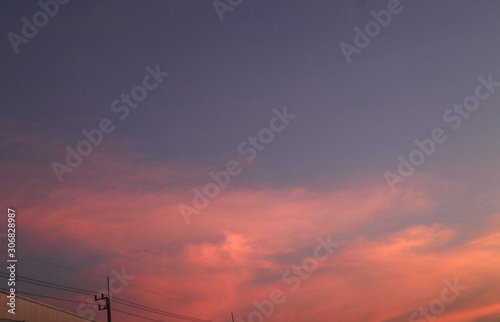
pixel 139 316
pixel 48 284
pixel 117 300
pixel 73 268
pixel 48 297
pixel 178 300
pixel 156 311
pixel 66 300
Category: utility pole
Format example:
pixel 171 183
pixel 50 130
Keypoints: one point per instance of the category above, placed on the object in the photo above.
pixel 107 301
pixel 109 304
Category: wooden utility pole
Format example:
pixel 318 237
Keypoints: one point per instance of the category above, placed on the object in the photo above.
pixel 109 304
pixel 107 301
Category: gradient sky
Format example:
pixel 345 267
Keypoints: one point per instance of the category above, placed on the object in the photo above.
pixel 323 175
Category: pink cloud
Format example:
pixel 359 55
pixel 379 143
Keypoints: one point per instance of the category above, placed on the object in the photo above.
pixel 237 249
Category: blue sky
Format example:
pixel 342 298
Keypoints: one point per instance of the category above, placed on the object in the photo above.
pixel 352 122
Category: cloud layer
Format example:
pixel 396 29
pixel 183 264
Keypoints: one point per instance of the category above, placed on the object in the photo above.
pixel 236 251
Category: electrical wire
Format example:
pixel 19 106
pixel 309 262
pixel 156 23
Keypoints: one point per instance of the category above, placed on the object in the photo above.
pixel 86 292
pixel 71 267
pixel 48 297
pixel 48 284
pixel 156 311
pixel 139 316
pixel 66 300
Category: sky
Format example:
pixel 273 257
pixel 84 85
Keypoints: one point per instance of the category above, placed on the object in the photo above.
pixel 281 160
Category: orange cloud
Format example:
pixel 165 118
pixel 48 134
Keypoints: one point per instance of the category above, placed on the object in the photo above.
pixel 236 251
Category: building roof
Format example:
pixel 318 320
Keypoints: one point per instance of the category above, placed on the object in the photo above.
pixel 49 308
